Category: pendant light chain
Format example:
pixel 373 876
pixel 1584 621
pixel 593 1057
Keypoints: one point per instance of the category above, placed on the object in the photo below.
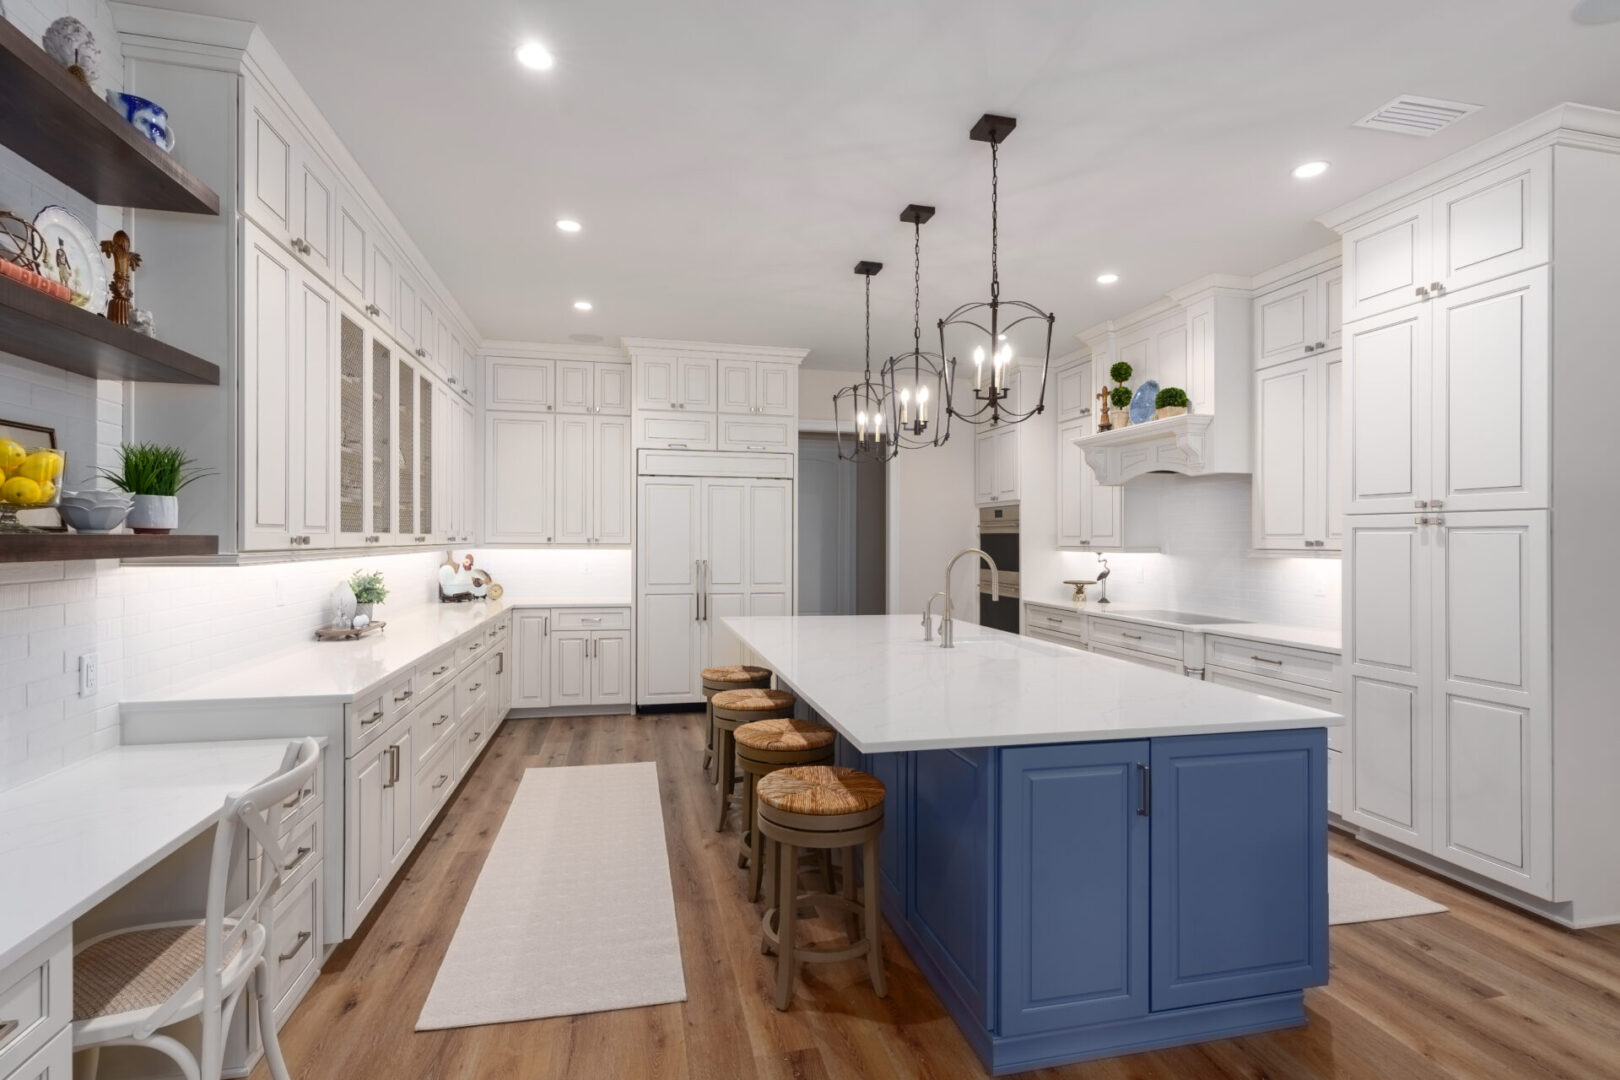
pixel 995 221
pixel 916 287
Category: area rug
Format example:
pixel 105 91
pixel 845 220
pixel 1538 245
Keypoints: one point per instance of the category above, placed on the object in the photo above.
pixel 573 911
pixel 1356 895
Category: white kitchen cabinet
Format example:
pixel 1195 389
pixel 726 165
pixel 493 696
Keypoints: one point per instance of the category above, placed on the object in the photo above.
pixel 574 487
pixel 590 668
pixel 268 141
pixel 382 293
pixel 1094 516
pixel 566 658
pixel 1486 227
pixel 1449 401
pixel 995 466
pixel 1300 318
pixel 576 386
pixel 676 382
pixel 1073 392
pixel 735 379
pixel 612 389
pixel 1072 490
pixel 570 668
pixel 408 323
pixel 427 333
pixel 758 387
pixel 368 435
pixel 290 382
pixel 351 264
pixel 612 674
pixel 611 489
pixel 519 471
pixel 380 824
pixel 1299 458
pixel 515 384
pixel 531 661
pixel 1146 659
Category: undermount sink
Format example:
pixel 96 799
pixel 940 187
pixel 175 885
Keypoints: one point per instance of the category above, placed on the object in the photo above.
pixel 1178 617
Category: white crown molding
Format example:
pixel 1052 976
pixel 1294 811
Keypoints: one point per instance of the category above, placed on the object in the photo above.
pixel 1568 124
pixel 663 345
pixel 539 350
pixel 1324 258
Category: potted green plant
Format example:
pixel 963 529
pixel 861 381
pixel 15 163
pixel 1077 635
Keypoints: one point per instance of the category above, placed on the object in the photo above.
pixel 369 590
pixel 153 476
pixel 1171 401
pixel 1120 398
pixel 1121 372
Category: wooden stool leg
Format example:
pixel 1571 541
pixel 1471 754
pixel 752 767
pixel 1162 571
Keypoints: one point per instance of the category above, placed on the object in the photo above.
pixel 724 765
pixel 749 781
pixel 873 912
pixel 756 860
pixel 708 740
pixel 773 891
pixel 827 872
pixel 787 918
pixel 852 919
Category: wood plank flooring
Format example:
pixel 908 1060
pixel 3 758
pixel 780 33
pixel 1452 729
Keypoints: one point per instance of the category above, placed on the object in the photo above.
pixel 1481 991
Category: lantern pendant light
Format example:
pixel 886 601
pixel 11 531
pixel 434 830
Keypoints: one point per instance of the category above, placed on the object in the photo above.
pixel 860 421
pixel 992 350
pixel 917 384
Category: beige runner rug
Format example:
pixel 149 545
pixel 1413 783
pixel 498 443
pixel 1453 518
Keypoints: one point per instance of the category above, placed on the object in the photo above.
pixel 1357 895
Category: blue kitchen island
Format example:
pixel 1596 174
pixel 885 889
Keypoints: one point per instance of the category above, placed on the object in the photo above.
pixel 1086 857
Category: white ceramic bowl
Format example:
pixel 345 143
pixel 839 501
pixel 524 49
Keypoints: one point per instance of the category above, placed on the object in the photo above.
pixel 92 518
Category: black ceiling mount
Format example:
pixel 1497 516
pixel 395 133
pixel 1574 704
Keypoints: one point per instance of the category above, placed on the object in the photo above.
pixel 992 128
pixel 916 215
pixel 867 269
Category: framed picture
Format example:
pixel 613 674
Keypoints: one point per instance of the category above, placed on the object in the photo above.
pixel 34 437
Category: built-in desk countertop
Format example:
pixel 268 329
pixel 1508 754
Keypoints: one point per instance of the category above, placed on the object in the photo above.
pixel 73 837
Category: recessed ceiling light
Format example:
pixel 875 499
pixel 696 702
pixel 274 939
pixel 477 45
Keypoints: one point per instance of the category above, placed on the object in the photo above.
pixel 582 305
pixel 1107 279
pixel 533 55
pixel 1310 170
pixel 568 225
pixel 1596 12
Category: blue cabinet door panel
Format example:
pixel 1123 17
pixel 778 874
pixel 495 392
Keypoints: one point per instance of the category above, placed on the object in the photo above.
pixel 1074 886
pixel 1239 866
pixel 950 887
pixel 894 771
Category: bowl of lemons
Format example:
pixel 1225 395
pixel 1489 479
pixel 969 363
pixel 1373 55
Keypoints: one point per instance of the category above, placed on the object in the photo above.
pixel 30 479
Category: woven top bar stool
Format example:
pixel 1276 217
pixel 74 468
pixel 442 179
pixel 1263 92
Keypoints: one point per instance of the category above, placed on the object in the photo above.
pixel 763 747
pixel 732 709
pixel 727 677
pixel 821 807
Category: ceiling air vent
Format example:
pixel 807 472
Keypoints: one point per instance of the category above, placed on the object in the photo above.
pixel 1413 115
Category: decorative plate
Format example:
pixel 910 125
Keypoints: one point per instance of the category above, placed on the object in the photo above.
pixel 73 257
pixel 1142 404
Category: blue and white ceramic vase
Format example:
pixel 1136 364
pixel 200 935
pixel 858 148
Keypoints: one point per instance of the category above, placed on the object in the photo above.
pixel 147 117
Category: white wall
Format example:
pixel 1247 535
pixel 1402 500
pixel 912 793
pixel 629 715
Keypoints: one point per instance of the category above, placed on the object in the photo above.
pixel 931 518
pixel 816 390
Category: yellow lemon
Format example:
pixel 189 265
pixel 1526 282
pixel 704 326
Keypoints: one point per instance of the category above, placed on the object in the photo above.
pixel 47 492
pixel 40 466
pixel 11 454
pixel 58 463
pixel 19 491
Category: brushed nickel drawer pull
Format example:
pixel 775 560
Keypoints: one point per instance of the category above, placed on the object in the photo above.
pixel 440 782
pixel 1133 637
pixel 298 946
pixel 475 687
pixel 440 670
pixel 372 719
pixel 1054 619
pixel 303 853
pixel 442 718
pixel 405 695
pixel 8 1028
pixel 1265 660
pixel 475 646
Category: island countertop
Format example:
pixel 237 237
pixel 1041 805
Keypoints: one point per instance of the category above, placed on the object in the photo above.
pixel 874 679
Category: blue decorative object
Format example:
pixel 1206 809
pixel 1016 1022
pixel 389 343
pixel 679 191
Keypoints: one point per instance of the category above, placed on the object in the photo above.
pixel 1142 404
pixel 147 117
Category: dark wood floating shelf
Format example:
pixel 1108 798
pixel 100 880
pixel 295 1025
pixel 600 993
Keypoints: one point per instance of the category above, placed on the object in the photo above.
pixel 60 547
pixel 61 125
pixel 54 332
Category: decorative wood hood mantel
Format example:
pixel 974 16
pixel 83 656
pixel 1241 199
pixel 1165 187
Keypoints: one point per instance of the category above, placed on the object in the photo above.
pixel 1178 444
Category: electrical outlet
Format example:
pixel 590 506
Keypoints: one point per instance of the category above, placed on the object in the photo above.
pixel 89 675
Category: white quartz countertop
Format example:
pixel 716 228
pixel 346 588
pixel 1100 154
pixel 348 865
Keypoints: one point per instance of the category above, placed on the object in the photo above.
pixel 75 836
pixel 338 671
pixel 875 680
pixel 1303 637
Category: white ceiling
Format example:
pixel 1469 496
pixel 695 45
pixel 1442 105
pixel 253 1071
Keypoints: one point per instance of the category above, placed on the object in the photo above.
pixel 731 161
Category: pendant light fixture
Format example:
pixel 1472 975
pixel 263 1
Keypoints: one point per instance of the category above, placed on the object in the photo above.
pixel 859 409
pixel 917 384
pixel 991 345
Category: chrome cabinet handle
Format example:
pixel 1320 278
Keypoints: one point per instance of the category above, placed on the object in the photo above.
pixel 546 632
pixel 501 668
pixel 1265 659
pixel 389 754
pixel 298 860
pixel 1054 619
pixel 298 945
pixel 677 446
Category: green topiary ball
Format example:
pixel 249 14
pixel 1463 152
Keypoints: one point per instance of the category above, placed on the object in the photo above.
pixel 1120 372
pixel 1120 397
pixel 1170 397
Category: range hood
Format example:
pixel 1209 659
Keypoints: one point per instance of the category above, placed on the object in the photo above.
pixel 1177 444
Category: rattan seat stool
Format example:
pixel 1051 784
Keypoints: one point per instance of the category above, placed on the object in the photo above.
pixel 727 677
pixel 821 807
pixel 763 747
pixel 732 709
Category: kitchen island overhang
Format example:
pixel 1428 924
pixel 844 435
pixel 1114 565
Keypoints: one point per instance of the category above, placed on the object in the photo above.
pixel 1085 857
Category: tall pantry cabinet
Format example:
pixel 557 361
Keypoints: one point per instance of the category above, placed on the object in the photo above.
pixel 1479 503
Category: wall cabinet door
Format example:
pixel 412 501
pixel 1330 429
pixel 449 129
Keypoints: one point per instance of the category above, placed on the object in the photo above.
pixel 995 463
pixel 1071 473
pixel 1386 262
pixel 314 211
pixel 1332 443
pixel 351 265
pixel 1492 379
pixel 1287 476
pixel 519 385
pixel 613 476
pixel 267 171
pixel 571 667
pixel 518 470
pixel 408 324
pixel 576 386
pixel 610 667
pixel 1330 309
pixel 427 332
pixel 1388 376
pixel 1074 392
pixel 657 385
pixel 1074 847
pixel 669 530
pixel 575 490
pixel 695 380
pixel 1496 224
pixel 1285 322
pixel 531 666
pixel 354 426
pixel 271 280
pixel 776 388
pixel 408 422
pixel 1238 829
pixel 736 382
pixel 612 389
pixel 984 469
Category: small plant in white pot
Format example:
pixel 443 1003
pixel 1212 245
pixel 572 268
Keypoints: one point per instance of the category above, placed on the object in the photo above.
pixel 153 476
pixel 369 591
pixel 1171 401
pixel 1120 415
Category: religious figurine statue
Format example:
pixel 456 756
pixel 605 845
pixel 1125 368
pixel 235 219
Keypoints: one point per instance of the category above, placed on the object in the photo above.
pixel 125 262
pixel 1102 411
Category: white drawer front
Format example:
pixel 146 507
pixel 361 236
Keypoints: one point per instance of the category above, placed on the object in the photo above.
pixel 1326 700
pixel 472 688
pixel 295 951
pixel 590 619
pixel 676 431
pixel 761 436
pixel 434 782
pixel 1135 637
pixel 400 696
pixel 433 723
pixel 1304 666
pixel 1038 634
pixel 53 1062
pixel 435 672
pixel 1070 624
pixel 1146 659
pixel 365 720
pixel 470 652
pixel 36 1001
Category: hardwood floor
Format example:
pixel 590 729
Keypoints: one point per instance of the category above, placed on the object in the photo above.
pixel 1480 991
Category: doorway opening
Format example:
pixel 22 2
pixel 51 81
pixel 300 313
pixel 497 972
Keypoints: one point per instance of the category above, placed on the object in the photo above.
pixel 843 531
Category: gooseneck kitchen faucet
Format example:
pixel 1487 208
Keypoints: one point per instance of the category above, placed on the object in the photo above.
pixel 947 639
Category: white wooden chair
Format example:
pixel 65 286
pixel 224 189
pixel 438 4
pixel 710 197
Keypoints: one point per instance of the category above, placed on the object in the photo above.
pixel 128 984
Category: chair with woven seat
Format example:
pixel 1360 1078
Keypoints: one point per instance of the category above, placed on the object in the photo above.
pixel 764 746
pixel 727 677
pixel 821 807
pixel 128 984
pixel 731 709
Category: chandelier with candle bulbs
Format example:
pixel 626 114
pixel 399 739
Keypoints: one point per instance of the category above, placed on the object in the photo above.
pixel 917 383
pixel 859 409
pixel 987 326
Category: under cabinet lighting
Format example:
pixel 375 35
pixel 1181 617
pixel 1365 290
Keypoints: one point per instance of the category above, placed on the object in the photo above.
pixel 582 305
pixel 1310 170
pixel 535 56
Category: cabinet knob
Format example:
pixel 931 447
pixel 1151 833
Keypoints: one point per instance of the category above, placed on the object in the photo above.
pixel 1421 504
pixel 1320 345
pixel 1437 287
pixel 1422 292
pixel 1421 519
pixel 1310 348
